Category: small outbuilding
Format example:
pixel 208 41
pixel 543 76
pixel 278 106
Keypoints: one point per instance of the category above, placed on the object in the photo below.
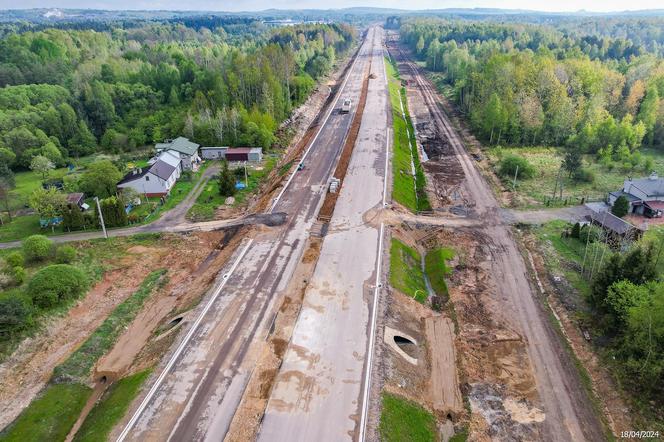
pixel 617 229
pixel 251 154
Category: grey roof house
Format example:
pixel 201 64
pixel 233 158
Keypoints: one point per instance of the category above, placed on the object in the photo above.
pixel 154 181
pixel 187 151
pixel 645 195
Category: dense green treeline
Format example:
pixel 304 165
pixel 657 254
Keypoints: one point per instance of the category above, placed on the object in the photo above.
pixel 69 93
pixel 527 85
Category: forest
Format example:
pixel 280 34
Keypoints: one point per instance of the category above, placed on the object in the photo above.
pixel 67 93
pixel 522 84
pixel 595 93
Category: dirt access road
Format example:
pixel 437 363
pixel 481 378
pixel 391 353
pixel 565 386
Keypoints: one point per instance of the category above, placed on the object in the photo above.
pixel 196 389
pixel 569 416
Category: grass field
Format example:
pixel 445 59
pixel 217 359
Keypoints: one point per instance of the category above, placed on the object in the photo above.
pixel 569 253
pixel 110 409
pixel 404 421
pixel 406 272
pixel 79 363
pixel 206 203
pixel 209 200
pixel 435 264
pixel 407 190
pixel 50 416
pixel 546 161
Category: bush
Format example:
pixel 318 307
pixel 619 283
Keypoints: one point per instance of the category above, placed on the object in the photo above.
pixel 19 274
pixel 590 234
pixel 65 254
pixel 509 164
pixel 15 314
pixel 584 176
pixel 620 206
pixel 576 231
pixel 37 247
pixel 15 259
pixel 56 283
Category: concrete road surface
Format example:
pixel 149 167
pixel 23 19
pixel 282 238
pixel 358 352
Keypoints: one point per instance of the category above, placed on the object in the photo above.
pixel 318 392
pixel 193 394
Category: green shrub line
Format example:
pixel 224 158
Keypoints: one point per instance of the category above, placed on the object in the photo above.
pixel 407 190
pixel 111 408
pixel 79 364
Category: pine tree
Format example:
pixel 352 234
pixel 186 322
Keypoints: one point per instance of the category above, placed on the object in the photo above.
pixel 620 207
pixel 226 181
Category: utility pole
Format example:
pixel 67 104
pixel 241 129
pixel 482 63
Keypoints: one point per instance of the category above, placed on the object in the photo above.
pixel 101 218
pixel 555 187
pixel 246 179
pixel 516 173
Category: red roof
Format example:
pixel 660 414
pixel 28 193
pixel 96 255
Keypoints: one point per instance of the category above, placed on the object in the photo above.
pixel 656 205
pixel 238 150
pixel 74 198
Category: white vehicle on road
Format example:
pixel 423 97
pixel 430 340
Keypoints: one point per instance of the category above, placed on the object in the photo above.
pixel 346 105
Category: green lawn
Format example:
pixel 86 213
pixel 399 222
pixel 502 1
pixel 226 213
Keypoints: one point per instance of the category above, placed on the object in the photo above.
pixel 79 363
pixel 402 420
pixel 50 416
pixel 209 200
pixel 435 264
pixel 546 160
pixel 28 182
pixel 406 272
pixel 110 409
pixel 569 253
pixel 407 190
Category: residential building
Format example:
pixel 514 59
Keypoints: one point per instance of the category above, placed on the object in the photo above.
pixel 185 149
pixel 169 157
pixel 645 195
pixel 154 181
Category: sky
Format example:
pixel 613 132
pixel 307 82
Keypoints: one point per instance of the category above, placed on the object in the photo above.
pixel 255 5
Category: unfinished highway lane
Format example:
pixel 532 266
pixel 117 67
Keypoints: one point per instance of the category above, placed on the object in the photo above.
pixel 318 394
pixel 195 391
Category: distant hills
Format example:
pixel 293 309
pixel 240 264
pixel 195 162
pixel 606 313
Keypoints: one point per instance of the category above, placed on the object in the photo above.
pixel 50 15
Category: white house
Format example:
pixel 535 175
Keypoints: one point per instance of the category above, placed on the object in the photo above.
pixel 154 181
pixel 185 149
pixel 645 195
pixel 169 157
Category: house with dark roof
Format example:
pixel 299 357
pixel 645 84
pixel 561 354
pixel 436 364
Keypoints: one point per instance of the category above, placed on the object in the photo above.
pixel 616 228
pixel 185 149
pixel 645 195
pixel 154 181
